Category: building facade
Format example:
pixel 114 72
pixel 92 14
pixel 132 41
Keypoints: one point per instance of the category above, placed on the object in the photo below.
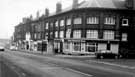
pixel 85 27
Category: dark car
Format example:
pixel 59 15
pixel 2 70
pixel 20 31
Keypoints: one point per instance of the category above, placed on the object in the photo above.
pixel 105 53
pixel 2 48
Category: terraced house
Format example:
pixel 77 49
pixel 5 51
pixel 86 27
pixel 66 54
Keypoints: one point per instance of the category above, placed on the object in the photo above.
pixel 85 27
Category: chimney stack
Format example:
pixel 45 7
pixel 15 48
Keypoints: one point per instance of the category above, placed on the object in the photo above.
pixel 130 4
pixel 75 4
pixel 37 14
pixel 46 12
pixel 58 7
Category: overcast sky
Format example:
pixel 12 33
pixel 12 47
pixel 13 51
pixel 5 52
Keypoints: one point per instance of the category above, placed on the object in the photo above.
pixel 12 12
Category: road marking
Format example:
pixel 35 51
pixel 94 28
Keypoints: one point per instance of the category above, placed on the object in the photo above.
pixel 78 72
pixel 112 64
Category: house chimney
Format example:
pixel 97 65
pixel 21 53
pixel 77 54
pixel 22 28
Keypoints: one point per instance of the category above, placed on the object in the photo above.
pixel 46 12
pixel 37 14
pixel 75 4
pixel 58 7
pixel 130 4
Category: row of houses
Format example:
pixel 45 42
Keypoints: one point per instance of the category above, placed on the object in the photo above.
pixel 81 28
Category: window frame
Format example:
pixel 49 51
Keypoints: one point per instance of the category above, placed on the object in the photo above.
pixel 125 19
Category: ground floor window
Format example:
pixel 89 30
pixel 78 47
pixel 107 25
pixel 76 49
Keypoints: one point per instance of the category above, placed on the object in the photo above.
pixel 67 45
pixel 77 46
pixel 91 47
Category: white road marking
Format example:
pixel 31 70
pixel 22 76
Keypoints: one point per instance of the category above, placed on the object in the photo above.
pixel 78 72
pixel 112 64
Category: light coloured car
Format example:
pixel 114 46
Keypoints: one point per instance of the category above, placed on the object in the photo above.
pixel 105 53
pixel 13 48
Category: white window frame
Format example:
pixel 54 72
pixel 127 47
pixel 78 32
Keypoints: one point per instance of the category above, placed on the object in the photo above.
pixel 77 34
pixel 61 34
pixel 68 32
pixel 68 22
pixel 56 23
pixel 92 34
pixel 124 37
pixel 47 25
pixel 123 20
pixel 110 20
pixel 109 35
pixel 92 20
pixel 77 20
pixel 56 34
pixel 61 22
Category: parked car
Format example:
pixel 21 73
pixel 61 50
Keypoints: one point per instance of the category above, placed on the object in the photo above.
pixel 13 48
pixel 2 48
pixel 105 53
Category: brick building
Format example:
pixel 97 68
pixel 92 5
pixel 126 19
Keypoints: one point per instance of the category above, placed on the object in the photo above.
pixel 86 27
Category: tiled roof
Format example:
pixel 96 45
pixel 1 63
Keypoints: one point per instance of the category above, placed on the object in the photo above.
pixel 111 4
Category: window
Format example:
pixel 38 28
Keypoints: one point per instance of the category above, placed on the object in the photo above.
pixel 91 47
pixel 77 34
pixel 124 36
pixel 61 34
pixel 108 34
pixel 56 34
pixel 51 34
pixel 62 23
pixel 124 22
pixel 77 46
pixel 92 34
pixel 56 24
pixel 92 20
pixel 67 45
pixel 47 25
pixel 51 24
pixel 68 32
pixel 68 22
pixel 110 20
pixel 78 20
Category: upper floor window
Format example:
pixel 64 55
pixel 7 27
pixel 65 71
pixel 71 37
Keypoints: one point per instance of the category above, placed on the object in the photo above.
pixel 56 24
pixel 62 23
pixel 51 24
pixel 92 34
pixel 110 20
pixel 47 24
pixel 108 34
pixel 124 36
pixel 56 34
pixel 61 34
pixel 77 34
pixel 78 20
pixel 124 22
pixel 68 21
pixel 68 32
pixel 92 20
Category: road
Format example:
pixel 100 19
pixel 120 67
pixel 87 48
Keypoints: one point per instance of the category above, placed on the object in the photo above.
pixel 51 66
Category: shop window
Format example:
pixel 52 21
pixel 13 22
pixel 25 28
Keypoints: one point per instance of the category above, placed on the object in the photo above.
pixel 77 34
pixel 78 20
pixel 124 36
pixel 77 46
pixel 68 22
pixel 91 47
pixel 92 34
pixel 92 20
pixel 109 20
pixel 67 45
pixel 109 35
pixel 124 22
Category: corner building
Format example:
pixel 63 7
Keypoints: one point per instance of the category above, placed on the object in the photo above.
pixel 89 26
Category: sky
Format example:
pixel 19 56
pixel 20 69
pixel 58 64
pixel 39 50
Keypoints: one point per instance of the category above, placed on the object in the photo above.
pixel 12 12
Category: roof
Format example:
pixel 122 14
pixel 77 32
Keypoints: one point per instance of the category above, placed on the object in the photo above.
pixel 108 4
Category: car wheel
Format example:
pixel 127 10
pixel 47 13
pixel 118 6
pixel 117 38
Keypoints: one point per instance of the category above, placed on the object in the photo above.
pixel 101 57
